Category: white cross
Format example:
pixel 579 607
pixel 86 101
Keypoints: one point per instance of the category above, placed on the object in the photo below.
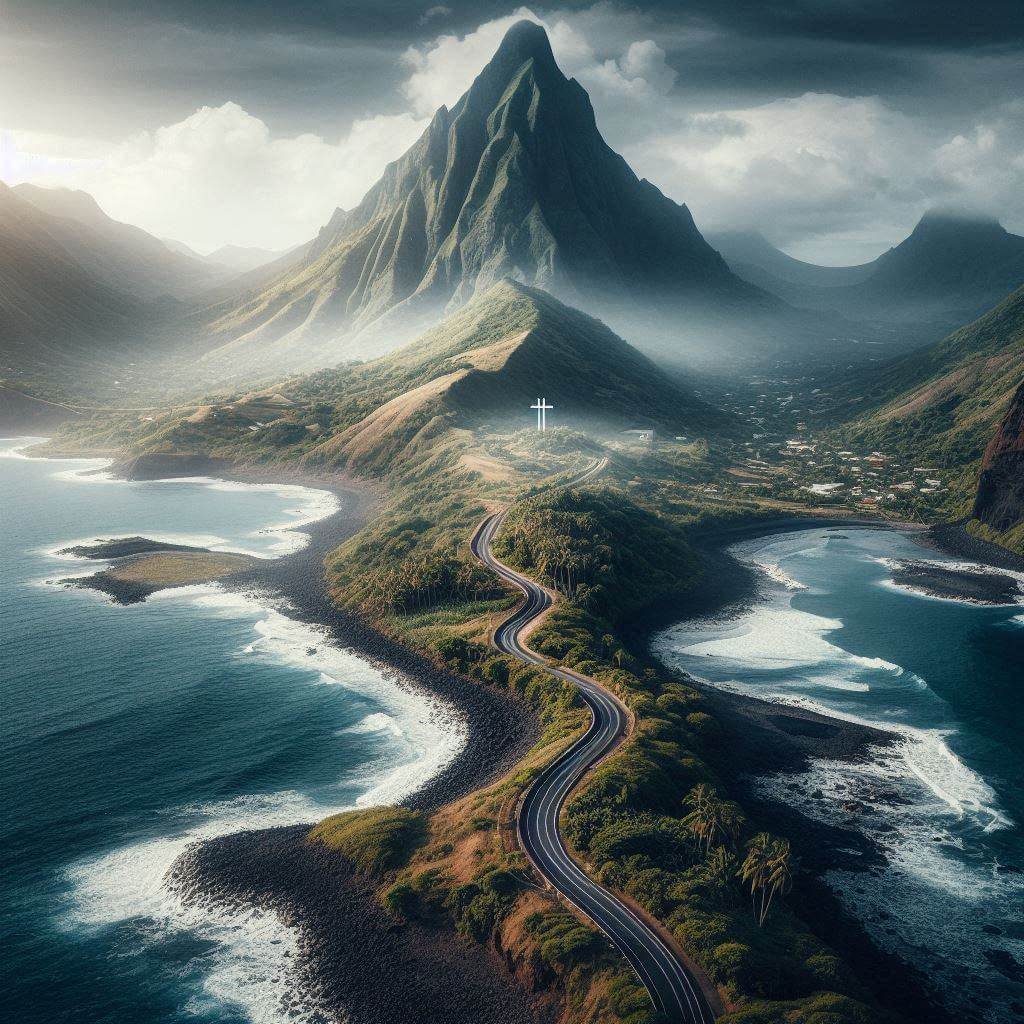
pixel 541 405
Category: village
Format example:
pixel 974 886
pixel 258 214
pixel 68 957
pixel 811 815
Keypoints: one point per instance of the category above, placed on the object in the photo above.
pixel 787 459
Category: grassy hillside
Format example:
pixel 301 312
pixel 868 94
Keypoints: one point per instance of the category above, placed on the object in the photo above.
pixel 940 407
pixel 479 370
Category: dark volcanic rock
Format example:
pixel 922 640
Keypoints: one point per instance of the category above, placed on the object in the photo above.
pixel 1000 499
pixel 957 584
pixel 120 547
pixel 357 963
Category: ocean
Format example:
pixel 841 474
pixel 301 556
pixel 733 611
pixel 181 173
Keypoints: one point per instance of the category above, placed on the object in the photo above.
pixel 129 732
pixel 834 633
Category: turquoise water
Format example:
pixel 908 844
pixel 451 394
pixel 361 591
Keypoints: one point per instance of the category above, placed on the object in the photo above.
pixel 834 634
pixel 128 732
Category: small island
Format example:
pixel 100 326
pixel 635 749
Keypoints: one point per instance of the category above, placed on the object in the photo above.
pixel 142 567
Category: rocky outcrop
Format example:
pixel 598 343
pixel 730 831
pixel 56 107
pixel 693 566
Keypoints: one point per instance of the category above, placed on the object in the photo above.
pixel 167 466
pixel 1000 499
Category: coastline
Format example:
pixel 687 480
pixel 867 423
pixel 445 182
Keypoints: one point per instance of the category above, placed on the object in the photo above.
pixel 768 739
pixel 355 961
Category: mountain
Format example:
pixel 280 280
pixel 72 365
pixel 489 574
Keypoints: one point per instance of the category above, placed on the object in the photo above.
pixel 240 258
pixel 122 255
pixel 514 180
pixel 752 257
pixel 941 406
pixel 56 314
pixel 999 502
pixel 488 362
pixel 951 268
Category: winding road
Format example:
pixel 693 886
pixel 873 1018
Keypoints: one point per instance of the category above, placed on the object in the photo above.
pixel 674 992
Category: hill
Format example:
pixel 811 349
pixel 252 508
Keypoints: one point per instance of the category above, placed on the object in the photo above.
pixel 515 180
pixel 951 269
pixel 123 256
pixel 472 377
pixel 487 363
pixel 941 406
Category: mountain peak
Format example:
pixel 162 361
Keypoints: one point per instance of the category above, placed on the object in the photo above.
pixel 951 218
pixel 63 202
pixel 525 40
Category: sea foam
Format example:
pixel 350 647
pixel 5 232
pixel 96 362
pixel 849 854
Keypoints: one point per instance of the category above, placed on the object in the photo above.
pixel 254 953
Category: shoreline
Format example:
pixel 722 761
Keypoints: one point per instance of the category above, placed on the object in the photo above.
pixel 354 963
pixel 273 869
pixel 776 740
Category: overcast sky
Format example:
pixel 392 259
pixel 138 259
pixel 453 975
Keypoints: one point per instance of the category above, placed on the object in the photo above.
pixel 830 125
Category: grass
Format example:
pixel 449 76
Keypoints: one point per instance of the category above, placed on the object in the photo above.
pixel 375 840
pixel 178 568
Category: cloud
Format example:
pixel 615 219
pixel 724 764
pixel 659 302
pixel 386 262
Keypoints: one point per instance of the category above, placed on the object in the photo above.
pixel 830 176
pixel 221 175
pixel 438 11
pixel 821 165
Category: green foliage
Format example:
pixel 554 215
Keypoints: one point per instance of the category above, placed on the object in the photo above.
pixel 478 907
pixel 374 840
pixel 605 553
pixel 564 940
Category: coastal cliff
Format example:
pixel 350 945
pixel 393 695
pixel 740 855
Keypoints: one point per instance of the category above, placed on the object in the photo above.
pixel 999 503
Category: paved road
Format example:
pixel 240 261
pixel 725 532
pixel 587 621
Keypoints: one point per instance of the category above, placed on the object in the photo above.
pixel 672 990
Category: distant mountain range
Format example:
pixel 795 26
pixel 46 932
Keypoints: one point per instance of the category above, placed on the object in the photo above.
pixel 54 312
pixel 238 259
pixel 514 180
pixel 751 256
pixel 949 270
pixel 122 255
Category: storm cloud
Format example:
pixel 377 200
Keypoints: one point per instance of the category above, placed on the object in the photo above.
pixel 830 126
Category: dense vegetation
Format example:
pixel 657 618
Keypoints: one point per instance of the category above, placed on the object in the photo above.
pixel 654 821
pixel 600 550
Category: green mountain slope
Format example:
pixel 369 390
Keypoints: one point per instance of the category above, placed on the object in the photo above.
pixel 516 180
pixel 940 406
pixel 122 255
pixel 999 503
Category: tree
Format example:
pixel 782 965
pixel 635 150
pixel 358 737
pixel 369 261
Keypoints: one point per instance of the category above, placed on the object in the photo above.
pixel 715 822
pixel 768 870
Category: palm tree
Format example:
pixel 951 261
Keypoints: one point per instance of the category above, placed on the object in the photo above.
pixel 720 869
pixel 768 870
pixel 712 820
pixel 780 873
pixel 754 870
pixel 699 800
